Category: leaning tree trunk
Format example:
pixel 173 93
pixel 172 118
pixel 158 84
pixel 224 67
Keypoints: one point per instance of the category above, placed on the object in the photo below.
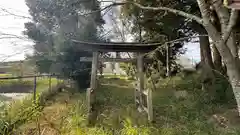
pixel 206 51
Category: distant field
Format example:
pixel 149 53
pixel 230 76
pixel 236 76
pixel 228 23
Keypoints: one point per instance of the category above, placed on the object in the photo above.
pixel 17 89
pixel 5 75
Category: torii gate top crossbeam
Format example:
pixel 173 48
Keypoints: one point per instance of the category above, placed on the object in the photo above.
pixel 117 47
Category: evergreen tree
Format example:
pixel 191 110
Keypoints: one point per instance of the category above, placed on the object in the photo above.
pixel 55 23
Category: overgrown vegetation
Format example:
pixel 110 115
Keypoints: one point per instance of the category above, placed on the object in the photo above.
pixel 66 113
pixel 17 112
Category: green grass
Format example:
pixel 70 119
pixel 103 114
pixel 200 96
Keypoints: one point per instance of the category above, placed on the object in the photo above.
pixel 40 81
pixel 66 112
pixel 15 82
pixel 109 76
pixel 5 75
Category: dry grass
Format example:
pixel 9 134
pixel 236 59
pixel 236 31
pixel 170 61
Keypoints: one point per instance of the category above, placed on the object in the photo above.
pixel 52 118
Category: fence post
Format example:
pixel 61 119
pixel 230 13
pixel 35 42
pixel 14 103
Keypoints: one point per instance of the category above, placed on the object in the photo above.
pixel 21 70
pixel 50 82
pixel 149 105
pixel 35 89
pixel 58 80
pixel 168 59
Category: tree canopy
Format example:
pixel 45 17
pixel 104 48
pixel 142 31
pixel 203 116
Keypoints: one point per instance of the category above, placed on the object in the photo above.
pixel 162 26
pixel 54 24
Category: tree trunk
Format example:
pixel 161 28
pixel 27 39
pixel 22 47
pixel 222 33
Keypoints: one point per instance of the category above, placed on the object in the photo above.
pixel 207 75
pixel 232 45
pixel 235 83
pixel 217 59
pixel 227 53
pixel 206 51
pixel 233 70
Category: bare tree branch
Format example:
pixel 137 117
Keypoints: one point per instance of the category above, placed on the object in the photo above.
pixel 10 13
pixel 12 36
pixel 175 11
pixel 12 55
pixel 185 38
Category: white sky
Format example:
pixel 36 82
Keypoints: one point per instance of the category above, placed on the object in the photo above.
pixel 14 47
pixel 17 48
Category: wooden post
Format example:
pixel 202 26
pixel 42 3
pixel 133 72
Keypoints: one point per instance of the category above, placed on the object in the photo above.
pixel 58 80
pixel 149 105
pixel 117 67
pixel 90 92
pixel 140 77
pixel 50 82
pixel 94 70
pixel 21 69
pixel 34 89
pixel 167 59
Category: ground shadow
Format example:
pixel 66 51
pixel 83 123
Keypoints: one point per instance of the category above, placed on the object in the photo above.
pixel 16 89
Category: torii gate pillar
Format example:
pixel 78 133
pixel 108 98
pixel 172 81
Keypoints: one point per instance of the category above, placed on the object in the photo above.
pixel 143 97
pixel 91 97
pixel 140 73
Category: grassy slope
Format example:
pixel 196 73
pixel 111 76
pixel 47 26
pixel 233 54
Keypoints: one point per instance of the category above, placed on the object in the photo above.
pixel 65 114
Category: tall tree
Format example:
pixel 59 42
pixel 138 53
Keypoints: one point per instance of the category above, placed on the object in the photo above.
pixel 156 26
pixel 55 23
pixel 224 40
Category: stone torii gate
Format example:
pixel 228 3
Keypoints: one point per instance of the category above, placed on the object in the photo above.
pixel 143 96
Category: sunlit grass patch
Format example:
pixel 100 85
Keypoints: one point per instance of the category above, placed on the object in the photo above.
pixel 5 75
pixel 112 76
